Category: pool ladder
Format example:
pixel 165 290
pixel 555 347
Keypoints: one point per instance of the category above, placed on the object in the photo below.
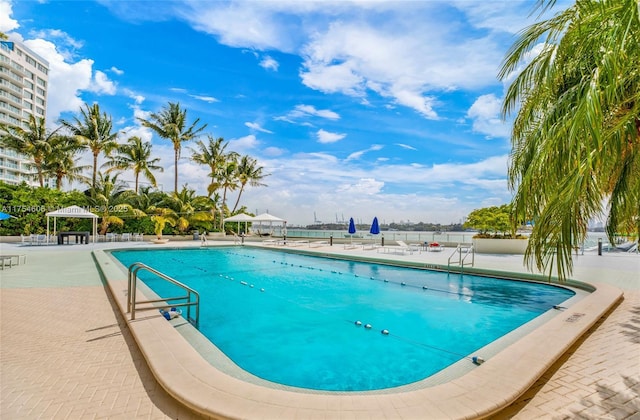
pixel 466 249
pixel 188 302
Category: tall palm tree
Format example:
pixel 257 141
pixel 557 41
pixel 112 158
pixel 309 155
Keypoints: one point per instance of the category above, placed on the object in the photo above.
pixel 134 155
pixel 228 181
pixel 212 154
pixel 32 142
pixel 576 134
pixel 248 172
pixel 95 130
pixel 62 161
pixel 171 123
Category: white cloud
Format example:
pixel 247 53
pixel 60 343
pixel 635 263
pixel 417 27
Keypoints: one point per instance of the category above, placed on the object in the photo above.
pixel 7 24
pixel 204 98
pixel 365 186
pixel 244 144
pixel 102 84
pixel 257 127
pixel 269 63
pixel 116 71
pixel 485 113
pixel 66 80
pixel 406 146
pixel 304 111
pixel 358 154
pixel 328 137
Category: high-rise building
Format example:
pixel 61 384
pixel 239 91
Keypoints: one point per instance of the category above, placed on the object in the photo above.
pixel 23 92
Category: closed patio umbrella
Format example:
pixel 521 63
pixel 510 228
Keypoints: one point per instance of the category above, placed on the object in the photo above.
pixel 352 228
pixel 375 227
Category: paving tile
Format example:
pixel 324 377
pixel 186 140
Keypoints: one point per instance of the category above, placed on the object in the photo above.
pixel 65 353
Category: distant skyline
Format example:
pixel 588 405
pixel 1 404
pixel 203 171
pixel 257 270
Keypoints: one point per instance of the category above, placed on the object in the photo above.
pixel 356 109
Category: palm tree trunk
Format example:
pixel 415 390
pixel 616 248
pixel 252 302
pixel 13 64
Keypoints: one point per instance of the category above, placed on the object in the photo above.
pixel 175 171
pixel 137 175
pixel 95 170
pixel 235 206
pixel 38 163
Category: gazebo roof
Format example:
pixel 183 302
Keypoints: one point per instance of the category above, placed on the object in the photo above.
pixel 73 211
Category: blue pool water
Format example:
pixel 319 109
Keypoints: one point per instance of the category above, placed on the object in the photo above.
pixel 291 318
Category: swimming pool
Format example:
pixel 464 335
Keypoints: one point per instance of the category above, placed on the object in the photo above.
pixel 297 324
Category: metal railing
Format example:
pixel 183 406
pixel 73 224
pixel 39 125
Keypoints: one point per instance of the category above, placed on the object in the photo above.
pixel 467 249
pixel 131 295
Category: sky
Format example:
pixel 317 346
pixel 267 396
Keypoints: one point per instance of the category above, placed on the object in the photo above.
pixel 354 109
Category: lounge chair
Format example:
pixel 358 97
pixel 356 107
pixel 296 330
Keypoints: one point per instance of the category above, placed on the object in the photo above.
pixel 401 248
pixel 270 242
pixel 125 237
pixel 352 245
pixel 371 245
pixel 317 244
pixel 298 243
pixel 411 247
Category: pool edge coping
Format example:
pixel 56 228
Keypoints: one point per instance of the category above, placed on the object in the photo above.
pixel 193 381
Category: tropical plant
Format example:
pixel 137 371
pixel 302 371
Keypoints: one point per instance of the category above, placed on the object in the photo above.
pixel 32 142
pixel 134 155
pixel 161 219
pixel 576 134
pixel 228 181
pixel 171 123
pixel 248 172
pixel 95 131
pixel 189 208
pixel 61 162
pixel 492 221
pixel 108 199
pixel 212 154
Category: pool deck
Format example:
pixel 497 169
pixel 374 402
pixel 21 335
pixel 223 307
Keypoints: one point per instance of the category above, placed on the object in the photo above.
pixel 67 352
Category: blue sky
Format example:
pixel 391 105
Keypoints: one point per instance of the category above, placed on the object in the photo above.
pixel 355 109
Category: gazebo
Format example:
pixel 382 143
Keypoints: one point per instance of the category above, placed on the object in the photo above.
pixel 240 217
pixel 266 217
pixel 71 212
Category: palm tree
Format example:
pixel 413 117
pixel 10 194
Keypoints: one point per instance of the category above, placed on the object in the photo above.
pixel 171 124
pixel 248 172
pixel 32 142
pixel 62 161
pixel 134 155
pixel 189 208
pixel 576 134
pixel 108 200
pixel 94 130
pixel 228 181
pixel 212 155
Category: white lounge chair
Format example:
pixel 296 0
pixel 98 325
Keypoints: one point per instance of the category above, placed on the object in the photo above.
pixel 401 248
pixel 317 244
pixel 352 245
pixel 411 247
pixel 298 243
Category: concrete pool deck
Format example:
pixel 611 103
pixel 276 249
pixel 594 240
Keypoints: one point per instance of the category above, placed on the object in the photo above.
pixel 66 352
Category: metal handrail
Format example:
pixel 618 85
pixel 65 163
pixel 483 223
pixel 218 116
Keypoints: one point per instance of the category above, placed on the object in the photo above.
pixel 132 287
pixel 461 260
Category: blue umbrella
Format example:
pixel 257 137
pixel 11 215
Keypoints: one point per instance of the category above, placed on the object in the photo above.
pixel 375 227
pixel 4 216
pixel 352 228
